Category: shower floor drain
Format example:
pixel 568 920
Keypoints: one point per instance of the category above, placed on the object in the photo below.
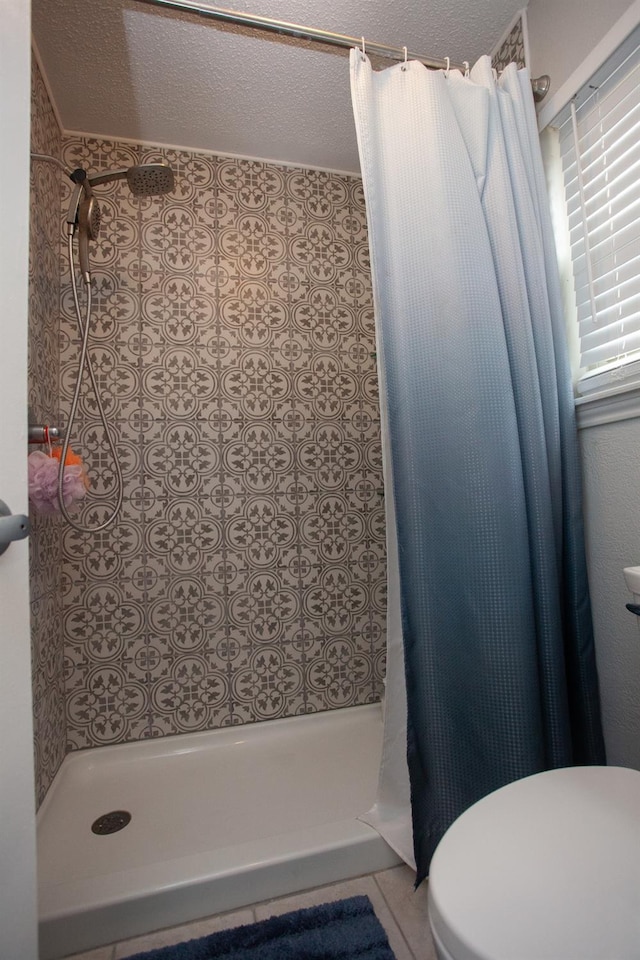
pixel 111 822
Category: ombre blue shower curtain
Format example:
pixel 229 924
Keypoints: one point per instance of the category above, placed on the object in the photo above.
pixel 489 616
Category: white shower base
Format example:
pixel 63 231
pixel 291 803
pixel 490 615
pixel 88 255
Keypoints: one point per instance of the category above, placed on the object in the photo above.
pixel 220 819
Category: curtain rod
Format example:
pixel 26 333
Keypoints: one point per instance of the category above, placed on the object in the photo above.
pixel 296 30
pixel 540 86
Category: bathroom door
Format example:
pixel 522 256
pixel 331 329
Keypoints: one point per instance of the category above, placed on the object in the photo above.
pixel 18 923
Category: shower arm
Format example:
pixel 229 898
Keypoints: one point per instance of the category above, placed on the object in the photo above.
pixel 90 180
pixel 83 183
pixel 49 159
pixel 97 178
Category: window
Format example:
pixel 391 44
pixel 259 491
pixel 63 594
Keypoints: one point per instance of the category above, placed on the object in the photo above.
pixel 600 147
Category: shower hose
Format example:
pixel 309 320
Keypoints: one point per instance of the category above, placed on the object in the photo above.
pixel 85 360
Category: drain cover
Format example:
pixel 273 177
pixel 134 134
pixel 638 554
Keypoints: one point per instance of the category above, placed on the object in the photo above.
pixel 111 822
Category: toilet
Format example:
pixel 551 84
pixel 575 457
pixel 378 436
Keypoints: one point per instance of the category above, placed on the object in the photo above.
pixel 546 868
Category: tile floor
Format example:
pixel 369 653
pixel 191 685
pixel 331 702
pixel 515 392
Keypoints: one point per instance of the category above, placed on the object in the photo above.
pixel 401 911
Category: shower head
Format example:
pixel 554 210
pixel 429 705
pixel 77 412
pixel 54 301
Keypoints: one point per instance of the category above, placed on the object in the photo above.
pixel 150 179
pixel 145 180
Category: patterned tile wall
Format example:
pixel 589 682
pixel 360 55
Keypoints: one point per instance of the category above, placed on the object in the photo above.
pixel 512 48
pixel 44 542
pixel 234 339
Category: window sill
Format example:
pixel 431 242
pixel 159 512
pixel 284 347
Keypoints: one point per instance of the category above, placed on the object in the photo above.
pixel 607 406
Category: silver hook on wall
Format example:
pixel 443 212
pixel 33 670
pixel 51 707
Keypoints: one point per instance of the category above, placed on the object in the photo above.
pixel 540 87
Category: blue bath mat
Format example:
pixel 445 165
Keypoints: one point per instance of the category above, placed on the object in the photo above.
pixel 342 930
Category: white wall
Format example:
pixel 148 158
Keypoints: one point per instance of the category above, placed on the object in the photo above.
pixel 562 34
pixel 611 464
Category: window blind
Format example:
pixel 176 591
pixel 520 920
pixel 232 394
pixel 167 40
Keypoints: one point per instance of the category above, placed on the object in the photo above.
pixel 600 147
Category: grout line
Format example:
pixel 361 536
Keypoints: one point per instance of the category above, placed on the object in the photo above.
pixel 393 914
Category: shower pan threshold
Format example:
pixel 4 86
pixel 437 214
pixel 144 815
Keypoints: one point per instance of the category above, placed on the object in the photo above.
pixel 219 819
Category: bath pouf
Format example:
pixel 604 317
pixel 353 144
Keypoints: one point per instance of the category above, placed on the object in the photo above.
pixel 43 480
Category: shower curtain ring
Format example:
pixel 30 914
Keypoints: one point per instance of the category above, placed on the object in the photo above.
pixel 404 66
pixel 446 72
pixel 465 63
pixel 364 52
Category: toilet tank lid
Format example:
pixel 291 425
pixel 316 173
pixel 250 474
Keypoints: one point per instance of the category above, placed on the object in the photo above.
pixel 545 868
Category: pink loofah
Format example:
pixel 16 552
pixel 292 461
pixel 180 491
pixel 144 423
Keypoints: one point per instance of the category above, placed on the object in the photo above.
pixel 43 482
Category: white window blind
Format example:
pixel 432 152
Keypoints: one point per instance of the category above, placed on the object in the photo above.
pixel 600 146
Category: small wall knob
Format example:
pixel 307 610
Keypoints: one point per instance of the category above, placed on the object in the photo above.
pixel 12 527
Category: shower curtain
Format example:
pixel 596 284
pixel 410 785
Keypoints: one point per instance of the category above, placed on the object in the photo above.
pixel 489 614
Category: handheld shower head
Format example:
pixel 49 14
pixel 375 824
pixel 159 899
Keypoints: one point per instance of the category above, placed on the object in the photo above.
pixel 89 218
pixel 85 211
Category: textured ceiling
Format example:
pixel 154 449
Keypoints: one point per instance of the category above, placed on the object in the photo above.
pixel 119 68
